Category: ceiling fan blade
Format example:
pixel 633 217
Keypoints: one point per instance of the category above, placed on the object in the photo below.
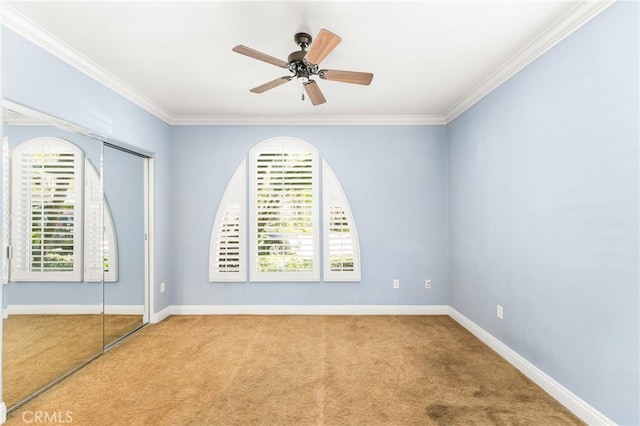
pixel 347 76
pixel 247 51
pixel 270 85
pixel 324 43
pixel 315 95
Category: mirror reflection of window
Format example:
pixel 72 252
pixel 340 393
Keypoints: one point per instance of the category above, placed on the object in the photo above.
pixel 53 321
pixel 52 232
pixel 46 237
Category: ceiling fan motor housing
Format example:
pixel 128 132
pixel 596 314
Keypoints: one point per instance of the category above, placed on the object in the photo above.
pixel 296 56
pixel 295 60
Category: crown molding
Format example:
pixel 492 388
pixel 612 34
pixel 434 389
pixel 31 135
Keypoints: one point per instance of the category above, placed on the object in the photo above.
pixel 47 41
pixel 574 19
pixel 368 120
pixel 558 31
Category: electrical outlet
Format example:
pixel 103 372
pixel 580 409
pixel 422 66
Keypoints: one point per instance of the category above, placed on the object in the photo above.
pixel 162 286
pixel 427 284
pixel 396 283
pixel 499 312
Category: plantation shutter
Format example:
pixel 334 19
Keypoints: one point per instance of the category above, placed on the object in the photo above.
pixel 284 212
pixel 47 211
pixel 227 246
pixel 100 248
pixel 341 247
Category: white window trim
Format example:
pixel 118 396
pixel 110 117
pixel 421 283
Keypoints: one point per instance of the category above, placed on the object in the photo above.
pixel 283 144
pixel 234 199
pixel 332 193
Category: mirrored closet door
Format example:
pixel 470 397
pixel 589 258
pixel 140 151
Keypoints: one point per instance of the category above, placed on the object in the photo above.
pixel 52 241
pixel 74 246
pixel 125 183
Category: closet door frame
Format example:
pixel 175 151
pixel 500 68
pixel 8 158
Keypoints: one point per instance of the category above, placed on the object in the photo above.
pixel 149 227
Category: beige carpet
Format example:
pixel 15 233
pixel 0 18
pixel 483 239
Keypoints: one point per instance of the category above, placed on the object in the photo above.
pixel 116 326
pixel 38 349
pixel 300 370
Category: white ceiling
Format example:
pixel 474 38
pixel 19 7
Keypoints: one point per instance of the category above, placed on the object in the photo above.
pixel 431 59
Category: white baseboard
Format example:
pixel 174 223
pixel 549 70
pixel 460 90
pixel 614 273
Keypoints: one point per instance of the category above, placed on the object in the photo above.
pixel 5 313
pixel 54 309
pixel 124 309
pixel 3 413
pixel 309 310
pixel 159 316
pixel 563 395
pixel 74 310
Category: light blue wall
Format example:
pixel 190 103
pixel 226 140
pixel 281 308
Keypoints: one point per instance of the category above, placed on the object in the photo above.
pixel 544 184
pixel 124 191
pixel 41 81
pixel 394 177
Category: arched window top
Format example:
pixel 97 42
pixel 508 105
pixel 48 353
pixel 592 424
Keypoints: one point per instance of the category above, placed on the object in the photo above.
pixel 47 145
pixel 283 143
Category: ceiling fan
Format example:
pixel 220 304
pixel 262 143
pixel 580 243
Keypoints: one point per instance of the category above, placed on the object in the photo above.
pixel 303 65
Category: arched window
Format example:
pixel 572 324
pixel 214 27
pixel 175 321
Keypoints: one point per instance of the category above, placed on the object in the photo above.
pixel 55 236
pixel 341 247
pixel 100 244
pixel 284 193
pixel 227 247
